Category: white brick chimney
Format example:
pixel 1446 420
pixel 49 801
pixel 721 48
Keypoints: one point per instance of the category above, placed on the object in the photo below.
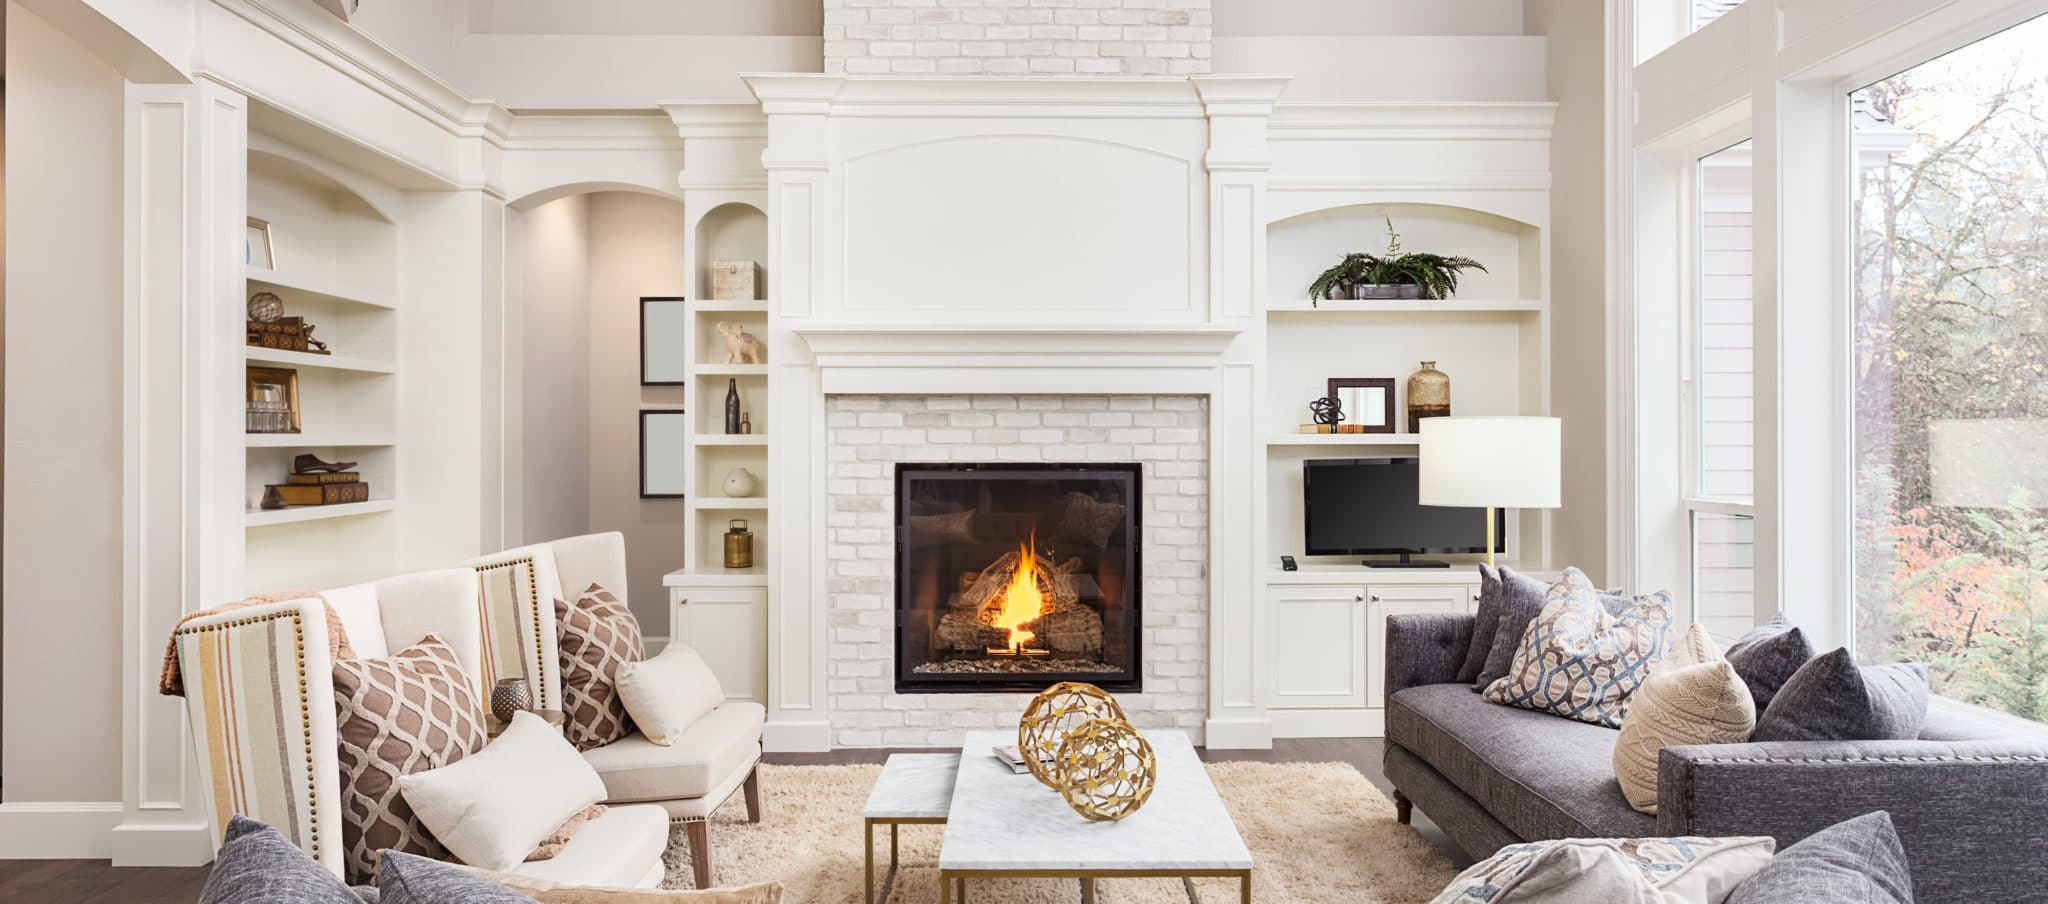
pixel 1017 37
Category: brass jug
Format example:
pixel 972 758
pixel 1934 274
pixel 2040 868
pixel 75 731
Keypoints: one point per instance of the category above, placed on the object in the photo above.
pixel 739 545
pixel 1429 395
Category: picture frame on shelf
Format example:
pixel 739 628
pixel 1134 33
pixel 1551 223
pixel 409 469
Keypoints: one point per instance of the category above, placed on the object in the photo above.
pixel 1368 403
pixel 664 341
pixel 271 396
pixel 664 440
pixel 257 249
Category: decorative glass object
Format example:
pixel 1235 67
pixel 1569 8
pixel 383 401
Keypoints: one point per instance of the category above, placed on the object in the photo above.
pixel 1056 711
pixel 1429 395
pixel 739 545
pixel 510 695
pixel 1106 770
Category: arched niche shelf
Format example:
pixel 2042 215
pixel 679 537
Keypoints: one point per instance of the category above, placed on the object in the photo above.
pixel 732 231
pixel 328 225
pixel 1300 246
pixel 541 196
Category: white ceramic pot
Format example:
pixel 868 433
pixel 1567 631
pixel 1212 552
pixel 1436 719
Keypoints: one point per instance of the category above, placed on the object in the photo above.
pixel 739 484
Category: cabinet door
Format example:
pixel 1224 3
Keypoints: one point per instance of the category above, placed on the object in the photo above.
pixel 728 626
pixel 1417 599
pixel 1318 647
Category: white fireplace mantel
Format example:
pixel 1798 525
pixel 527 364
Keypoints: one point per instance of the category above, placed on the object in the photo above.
pixel 883 359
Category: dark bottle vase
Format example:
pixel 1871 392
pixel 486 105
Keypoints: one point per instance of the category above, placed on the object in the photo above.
pixel 732 407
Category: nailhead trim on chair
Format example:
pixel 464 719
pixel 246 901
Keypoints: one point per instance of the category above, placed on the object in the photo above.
pixel 539 682
pixel 305 711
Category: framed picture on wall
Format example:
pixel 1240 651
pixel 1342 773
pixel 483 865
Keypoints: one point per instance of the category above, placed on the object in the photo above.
pixel 1368 403
pixel 664 338
pixel 664 437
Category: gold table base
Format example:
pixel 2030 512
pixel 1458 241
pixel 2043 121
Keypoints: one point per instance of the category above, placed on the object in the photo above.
pixel 949 879
pixel 894 823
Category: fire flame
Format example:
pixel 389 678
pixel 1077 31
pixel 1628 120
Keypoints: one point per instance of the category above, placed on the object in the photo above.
pixel 1022 601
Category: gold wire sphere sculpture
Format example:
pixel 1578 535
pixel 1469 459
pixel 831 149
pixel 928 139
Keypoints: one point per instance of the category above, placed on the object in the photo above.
pixel 1107 770
pixel 1056 711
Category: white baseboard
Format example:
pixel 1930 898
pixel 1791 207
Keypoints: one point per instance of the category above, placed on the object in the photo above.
pixel 175 844
pixel 1238 734
pixel 796 737
pixel 58 829
pixel 1329 723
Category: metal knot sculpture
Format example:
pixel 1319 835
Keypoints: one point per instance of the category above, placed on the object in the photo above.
pixel 1328 411
pixel 1107 770
pixel 1054 713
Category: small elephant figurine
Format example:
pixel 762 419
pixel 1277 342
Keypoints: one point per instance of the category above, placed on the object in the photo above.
pixel 740 346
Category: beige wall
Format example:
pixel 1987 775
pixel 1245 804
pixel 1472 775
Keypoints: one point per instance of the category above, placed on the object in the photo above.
pixel 553 253
pixel 636 249
pixel 1578 216
pixel 62 583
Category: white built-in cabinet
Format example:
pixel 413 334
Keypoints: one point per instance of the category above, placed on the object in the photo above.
pixel 1329 640
pixel 727 624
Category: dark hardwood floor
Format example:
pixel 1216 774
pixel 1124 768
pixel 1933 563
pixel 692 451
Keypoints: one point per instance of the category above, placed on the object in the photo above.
pixel 79 881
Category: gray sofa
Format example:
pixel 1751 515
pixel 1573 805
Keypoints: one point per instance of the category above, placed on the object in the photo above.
pixel 1969 798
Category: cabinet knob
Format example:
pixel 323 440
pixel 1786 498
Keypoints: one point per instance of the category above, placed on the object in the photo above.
pixel 1361 598
pixel 1375 597
pixel 1475 597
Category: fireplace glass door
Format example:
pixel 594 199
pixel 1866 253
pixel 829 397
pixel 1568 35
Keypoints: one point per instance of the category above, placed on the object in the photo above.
pixel 1013 577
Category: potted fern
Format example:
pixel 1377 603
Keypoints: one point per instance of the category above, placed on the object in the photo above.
pixel 1393 275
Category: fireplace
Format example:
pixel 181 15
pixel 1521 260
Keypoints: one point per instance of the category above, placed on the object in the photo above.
pixel 1012 577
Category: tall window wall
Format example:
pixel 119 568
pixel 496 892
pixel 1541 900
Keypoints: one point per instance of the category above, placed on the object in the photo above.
pixel 1720 387
pixel 1950 370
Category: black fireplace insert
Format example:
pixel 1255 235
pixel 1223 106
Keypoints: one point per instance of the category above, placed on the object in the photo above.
pixel 1014 577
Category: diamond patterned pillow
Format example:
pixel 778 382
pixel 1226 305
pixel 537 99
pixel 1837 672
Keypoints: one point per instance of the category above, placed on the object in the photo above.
pixel 598 635
pixel 411 712
pixel 1578 661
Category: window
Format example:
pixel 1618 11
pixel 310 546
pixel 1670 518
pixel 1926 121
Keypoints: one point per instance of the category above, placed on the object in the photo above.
pixel 1720 389
pixel 1950 370
pixel 1706 11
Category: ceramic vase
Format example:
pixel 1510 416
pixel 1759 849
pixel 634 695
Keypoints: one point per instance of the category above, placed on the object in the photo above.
pixel 1429 395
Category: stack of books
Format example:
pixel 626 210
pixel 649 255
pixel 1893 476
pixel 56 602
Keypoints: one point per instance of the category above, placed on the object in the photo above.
pixel 1013 758
pixel 323 489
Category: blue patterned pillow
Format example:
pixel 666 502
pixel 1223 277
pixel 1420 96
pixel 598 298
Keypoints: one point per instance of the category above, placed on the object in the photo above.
pixel 1577 660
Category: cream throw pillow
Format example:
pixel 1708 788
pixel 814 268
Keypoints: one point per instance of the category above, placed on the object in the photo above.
pixel 669 693
pixel 496 805
pixel 1692 696
pixel 1612 871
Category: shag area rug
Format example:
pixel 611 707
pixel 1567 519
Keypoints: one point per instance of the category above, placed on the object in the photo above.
pixel 1318 832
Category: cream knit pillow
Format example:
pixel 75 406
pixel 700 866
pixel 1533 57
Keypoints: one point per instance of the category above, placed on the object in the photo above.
pixel 1693 696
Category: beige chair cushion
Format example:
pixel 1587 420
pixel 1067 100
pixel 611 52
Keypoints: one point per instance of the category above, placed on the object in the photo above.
pixel 704 756
pixel 669 693
pixel 617 849
pixel 1692 696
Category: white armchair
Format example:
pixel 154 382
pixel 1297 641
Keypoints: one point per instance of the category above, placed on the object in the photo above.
pixel 716 757
pixel 259 690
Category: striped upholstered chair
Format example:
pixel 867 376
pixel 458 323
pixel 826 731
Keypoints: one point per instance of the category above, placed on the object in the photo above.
pixel 716 757
pixel 260 693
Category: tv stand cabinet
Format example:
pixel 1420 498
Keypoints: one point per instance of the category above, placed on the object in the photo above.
pixel 1328 643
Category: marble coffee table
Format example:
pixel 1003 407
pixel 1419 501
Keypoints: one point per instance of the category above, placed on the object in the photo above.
pixel 1004 825
pixel 914 789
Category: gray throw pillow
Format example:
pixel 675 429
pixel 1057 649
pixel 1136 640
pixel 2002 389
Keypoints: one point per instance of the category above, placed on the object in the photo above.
pixel 1485 623
pixel 1858 860
pixel 1767 656
pixel 411 879
pixel 1520 601
pixel 1831 698
pixel 257 865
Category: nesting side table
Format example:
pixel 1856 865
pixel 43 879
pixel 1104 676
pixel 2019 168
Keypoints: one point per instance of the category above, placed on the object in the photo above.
pixel 915 789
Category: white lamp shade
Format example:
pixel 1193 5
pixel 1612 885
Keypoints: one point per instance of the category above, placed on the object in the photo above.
pixel 1480 462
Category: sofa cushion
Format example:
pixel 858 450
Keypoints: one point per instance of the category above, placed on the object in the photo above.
pixel 408 879
pixel 257 864
pixel 669 693
pixel 598 635
pixel 619 849
pixel 1692 697
pixel 498 804
pixel 1767 656
pixel 1578 661
pixel 1520 599
pixel 1831 698
pixel 1485 622
pixel 1856 860
pixel 1539 775
pixel 710 750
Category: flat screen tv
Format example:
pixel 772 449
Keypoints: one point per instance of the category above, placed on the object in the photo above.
pixel 1367 507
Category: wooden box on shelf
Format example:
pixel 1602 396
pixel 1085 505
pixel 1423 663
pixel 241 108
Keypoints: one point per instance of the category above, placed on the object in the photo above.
pixel 285 333
pixel 733 280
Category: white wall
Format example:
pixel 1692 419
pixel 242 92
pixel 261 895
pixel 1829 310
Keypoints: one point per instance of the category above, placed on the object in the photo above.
pixel 62 584
pixel 552 257
pixel 645 17
pixel 428 32
pixel 1578 212
pixel 636 249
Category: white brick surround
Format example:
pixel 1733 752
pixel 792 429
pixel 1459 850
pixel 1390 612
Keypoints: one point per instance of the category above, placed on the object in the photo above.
pixel 867 435
pixel 1018 37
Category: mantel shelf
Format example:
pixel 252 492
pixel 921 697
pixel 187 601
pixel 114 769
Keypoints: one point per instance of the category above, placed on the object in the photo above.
pixel 322 289
pixel 1344 439
pixel 1450 306
pixel 348 363
pixel 1013 339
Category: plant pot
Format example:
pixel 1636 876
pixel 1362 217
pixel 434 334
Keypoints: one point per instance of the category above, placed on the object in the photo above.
pixel 1385 292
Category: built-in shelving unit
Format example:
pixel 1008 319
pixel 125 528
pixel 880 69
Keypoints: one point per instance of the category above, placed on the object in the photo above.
pixel 336 252
pixel 725 225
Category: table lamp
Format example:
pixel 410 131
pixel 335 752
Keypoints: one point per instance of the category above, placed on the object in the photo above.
pixel 1491 463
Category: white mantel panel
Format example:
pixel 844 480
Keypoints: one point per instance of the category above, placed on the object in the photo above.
pixel 1073 226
